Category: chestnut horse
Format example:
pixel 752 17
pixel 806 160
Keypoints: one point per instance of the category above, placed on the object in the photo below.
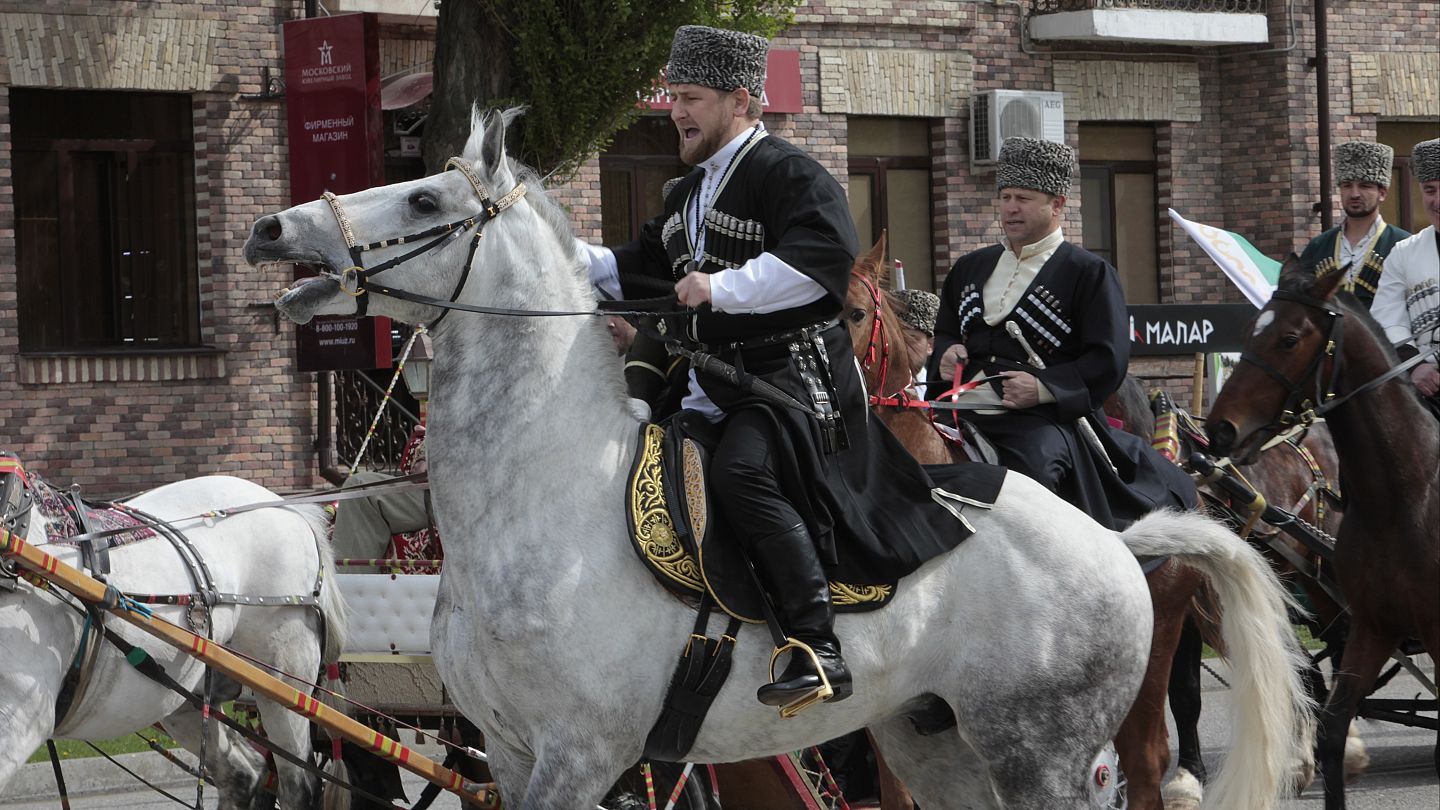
pixel 1311 345
pixel 1299 475
pixel 1142 742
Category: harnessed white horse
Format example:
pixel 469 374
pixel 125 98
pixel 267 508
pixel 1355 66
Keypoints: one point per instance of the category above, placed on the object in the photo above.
pixel 1034 632
pixel 266 552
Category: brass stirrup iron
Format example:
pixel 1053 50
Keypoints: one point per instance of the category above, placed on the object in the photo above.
pixel 819 694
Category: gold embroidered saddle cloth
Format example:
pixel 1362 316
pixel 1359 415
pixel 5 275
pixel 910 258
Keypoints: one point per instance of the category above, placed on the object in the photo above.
pixel 680 537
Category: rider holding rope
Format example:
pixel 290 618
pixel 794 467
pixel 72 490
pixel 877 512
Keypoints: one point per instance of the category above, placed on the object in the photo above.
pixel 758 239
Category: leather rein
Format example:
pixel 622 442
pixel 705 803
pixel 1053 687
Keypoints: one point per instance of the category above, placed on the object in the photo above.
pixel 1300 408
pixel 357 280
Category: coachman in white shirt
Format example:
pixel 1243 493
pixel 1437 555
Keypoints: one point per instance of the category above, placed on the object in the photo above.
pixel 1407 304
pixel 758 238
pixel 1068 306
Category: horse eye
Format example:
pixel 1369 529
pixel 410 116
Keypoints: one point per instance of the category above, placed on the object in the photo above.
pixel 423 203
pixel 1289 341
pixel 857 315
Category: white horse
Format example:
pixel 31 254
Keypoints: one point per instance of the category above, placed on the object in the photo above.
pixel 1034 632
pixel 266 552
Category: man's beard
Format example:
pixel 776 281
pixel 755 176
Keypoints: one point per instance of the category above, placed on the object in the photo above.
pixel 703 150
pixel 1363 212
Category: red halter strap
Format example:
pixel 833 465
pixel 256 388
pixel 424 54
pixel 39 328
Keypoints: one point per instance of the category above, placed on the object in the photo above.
pixel 879 343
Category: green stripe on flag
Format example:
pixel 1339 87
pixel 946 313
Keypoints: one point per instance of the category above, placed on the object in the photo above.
pixel 1266 265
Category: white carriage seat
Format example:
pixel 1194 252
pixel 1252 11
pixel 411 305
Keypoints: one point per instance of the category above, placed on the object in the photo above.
pixel 389 613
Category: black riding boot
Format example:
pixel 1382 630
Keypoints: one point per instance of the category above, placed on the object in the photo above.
pixel 791 574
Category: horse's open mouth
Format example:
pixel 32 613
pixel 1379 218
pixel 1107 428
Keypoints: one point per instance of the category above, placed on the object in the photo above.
pixel 300 300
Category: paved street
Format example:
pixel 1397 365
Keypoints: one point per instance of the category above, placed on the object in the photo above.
pixel 1401 775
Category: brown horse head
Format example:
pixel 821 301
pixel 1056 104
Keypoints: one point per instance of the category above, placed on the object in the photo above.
pixel 1287 367
pixel 874 327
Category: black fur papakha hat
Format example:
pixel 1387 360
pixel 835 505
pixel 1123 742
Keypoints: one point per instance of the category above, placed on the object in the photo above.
pixel 715 57
pixel 917 308
pixel 1425 160
pixel 1035 164
pixel 1363 162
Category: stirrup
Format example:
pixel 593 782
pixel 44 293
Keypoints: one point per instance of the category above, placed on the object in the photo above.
pixel 819 694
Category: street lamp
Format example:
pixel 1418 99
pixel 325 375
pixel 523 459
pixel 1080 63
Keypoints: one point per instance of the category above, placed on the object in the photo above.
pixel 416 370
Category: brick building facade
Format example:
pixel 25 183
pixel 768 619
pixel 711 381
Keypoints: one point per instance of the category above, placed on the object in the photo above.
pixel 1229 136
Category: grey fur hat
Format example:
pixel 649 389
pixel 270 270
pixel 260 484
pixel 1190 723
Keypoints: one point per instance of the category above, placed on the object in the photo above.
pixel 715 57
pixel 1425 160
pixel 917 308
pixel 1035 164
pixel 1363 162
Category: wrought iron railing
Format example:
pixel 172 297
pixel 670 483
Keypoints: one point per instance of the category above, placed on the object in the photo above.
pixel 357 397
pixel 1215 6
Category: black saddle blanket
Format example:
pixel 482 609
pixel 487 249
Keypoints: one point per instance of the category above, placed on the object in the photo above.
pixel 682 539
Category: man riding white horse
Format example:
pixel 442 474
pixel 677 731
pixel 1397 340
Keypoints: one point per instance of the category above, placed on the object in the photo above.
pixel 759 238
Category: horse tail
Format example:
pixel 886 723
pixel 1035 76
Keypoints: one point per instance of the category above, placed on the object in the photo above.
pixel 332 603
pixel 1272 715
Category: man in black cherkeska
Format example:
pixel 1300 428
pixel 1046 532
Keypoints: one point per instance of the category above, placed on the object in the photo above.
pixel 1073 346
pixel 758 238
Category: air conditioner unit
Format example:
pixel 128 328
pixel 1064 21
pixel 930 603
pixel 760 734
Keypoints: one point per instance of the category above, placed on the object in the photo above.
pixel 999 114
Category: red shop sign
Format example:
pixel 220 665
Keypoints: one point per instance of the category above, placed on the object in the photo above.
pixel 332 100
pixel 782 86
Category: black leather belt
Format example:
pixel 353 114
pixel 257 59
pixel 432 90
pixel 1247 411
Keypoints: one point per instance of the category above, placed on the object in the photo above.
pixel 803 334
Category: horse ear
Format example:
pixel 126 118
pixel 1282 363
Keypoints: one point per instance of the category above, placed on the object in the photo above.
pixel 878 252
pixel 874 258
pixel 476 142
pixel 492 147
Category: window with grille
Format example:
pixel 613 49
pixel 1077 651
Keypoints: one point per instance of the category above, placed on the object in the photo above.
pixel 105 220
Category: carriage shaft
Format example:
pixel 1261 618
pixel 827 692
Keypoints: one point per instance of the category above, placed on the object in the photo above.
pixel 91 590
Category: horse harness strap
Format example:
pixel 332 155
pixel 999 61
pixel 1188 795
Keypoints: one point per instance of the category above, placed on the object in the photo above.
pixel 95 556
pixel 354 280
pixel 703 668
pixel 138 658
pixel 400 484
pixel 1298 409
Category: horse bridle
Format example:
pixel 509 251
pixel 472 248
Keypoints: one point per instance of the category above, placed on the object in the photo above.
pixel 878 347
pixel 1299 409
pixel 356 280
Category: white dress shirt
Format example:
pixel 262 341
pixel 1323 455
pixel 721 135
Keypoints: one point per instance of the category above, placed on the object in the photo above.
pixel 1407 301
pixel 1353 256
pixel 763 284
pixel 1003 290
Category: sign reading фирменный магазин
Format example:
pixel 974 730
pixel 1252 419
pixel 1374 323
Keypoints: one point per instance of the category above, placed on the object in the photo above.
pixel 1160 329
